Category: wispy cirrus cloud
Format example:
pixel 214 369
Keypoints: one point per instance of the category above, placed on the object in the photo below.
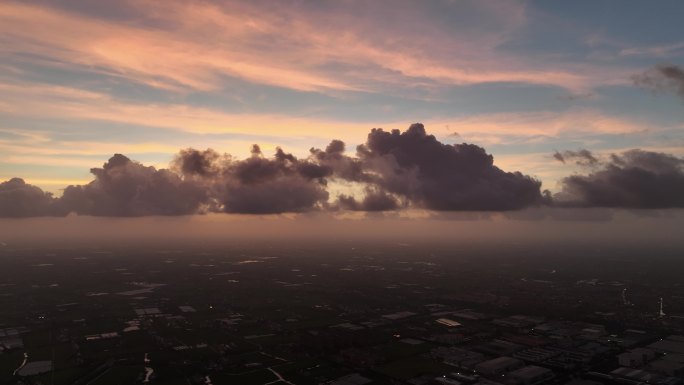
pixel 655 50
pixel 535 126
pixel 191 46
pixel 59 102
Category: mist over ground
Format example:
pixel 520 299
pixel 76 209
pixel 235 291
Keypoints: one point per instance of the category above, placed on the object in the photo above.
pixel 533 225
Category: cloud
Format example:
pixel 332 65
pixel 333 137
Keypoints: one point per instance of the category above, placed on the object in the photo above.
pixel 497 128
pixel 190 162
pixel 342 166
pixel 662 78
pixel 234 132
pixel 582 157
pixel 19 199
pixel 291 45
pixel 256 185
pixel 651 51
pixel 392 170
pixel 576 96
pixel 124 188
pixel 559 157
pixel 57 103
pixel 634 179
pixel 373 200
pixel 439 176
pixel 395 170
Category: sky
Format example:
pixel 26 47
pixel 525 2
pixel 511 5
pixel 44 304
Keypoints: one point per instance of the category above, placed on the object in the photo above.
pixel 584 99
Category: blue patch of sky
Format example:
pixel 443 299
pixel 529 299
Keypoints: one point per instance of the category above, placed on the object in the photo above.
pixel 635 21
pixel 658 107
pixel 118 11
pixel 460 16
pixel 504 98
pixel 596 31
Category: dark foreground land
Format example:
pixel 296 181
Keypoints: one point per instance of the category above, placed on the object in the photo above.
pixel 341 313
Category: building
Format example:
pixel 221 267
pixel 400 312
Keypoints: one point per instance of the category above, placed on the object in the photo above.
pixel 644 376
pixel 10 338
pixel 532 375
pixel 636 357
pixel 537 354
pixel 499 366
pixel 448 322
pixel 668 368
pixel 457 357
pixel 672 344
pixel 351 379
pixel 582 382
pixel 499 347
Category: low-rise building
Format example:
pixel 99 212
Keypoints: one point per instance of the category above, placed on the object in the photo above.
pixel 499 366
pixel 532 375
pixel 448 322
pixel 668 368
pixel 636 357
pixel 671 344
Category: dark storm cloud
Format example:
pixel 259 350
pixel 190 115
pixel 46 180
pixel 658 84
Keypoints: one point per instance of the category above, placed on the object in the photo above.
pixel 124 188
pixel 581 157
pixel 440 176
pixel 633 179
pixel 19 199
pixel 662 78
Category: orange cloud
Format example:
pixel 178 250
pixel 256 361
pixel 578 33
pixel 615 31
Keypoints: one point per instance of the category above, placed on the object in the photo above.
pixel 58 102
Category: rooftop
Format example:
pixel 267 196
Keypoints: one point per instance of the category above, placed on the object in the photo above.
pixel 531 371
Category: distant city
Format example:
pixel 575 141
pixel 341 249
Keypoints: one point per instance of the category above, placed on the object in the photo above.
pixel 341 313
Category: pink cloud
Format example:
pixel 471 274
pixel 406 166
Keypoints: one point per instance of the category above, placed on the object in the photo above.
pixel 191 45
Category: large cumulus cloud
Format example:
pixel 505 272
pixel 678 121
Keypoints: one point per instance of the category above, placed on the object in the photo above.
pixel 19 199
pixel 392 170
pixel 257 185
pixel 123 187
pixel 633 179
pixel 440 176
